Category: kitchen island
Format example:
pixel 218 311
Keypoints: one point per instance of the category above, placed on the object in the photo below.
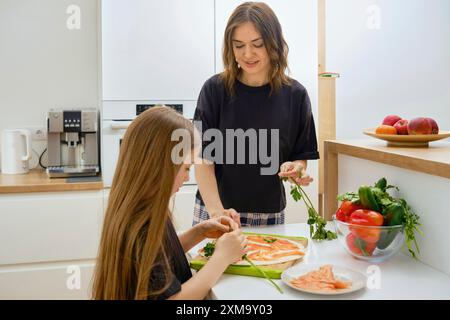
pixel 401 277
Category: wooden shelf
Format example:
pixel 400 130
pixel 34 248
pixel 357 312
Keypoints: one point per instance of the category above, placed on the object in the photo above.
pixel 434 160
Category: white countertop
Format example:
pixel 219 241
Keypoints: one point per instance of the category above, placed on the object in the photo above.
pixel 401 276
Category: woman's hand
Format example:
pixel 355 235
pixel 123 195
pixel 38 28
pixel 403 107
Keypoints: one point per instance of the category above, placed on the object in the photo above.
pixel 216 227
pixel 295 171
pixel 233 214
pixel 231 246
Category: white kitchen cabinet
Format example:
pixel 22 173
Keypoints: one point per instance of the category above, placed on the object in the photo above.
pixel 47 281
pixel 156 50
pixel 42 235
pixel 50 226
pixel 106 192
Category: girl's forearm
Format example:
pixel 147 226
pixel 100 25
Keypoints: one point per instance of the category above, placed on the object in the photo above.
pixel 190 238
pixel 200 284
pixel 207 184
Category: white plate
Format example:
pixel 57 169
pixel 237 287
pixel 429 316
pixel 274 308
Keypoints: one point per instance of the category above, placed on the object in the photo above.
pixel 342 273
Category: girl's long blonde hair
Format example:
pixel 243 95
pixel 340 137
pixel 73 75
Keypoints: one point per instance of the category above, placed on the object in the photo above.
pixel 132 240
pixel 267 24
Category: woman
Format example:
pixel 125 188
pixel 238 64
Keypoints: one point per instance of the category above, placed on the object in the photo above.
pixel 254 93
pixel 140 255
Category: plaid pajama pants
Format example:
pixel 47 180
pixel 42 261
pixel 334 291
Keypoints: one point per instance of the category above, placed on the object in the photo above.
pixel 248 219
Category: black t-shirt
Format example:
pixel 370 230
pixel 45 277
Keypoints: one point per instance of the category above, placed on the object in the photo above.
pixel 178 263
pixel 242 186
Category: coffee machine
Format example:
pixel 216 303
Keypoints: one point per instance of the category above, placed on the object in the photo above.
pixel 73 143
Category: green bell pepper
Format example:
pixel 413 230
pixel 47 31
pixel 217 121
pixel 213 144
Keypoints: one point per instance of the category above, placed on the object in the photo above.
pixel 394 214
pixel 367 199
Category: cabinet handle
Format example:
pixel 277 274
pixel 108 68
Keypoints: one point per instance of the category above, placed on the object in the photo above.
pixel 119 126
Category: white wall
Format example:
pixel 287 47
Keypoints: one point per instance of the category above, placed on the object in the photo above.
pixel 401 68
pixel 44 64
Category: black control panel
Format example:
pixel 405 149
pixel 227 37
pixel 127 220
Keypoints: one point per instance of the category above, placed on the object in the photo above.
pixel 72 121
pixel 142 107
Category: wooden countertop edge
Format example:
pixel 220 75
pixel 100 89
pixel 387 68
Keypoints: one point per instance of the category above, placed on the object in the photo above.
pixel 64 186
pixel 402 161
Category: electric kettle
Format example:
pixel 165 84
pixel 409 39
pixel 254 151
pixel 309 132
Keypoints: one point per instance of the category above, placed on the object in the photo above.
pixel 16 151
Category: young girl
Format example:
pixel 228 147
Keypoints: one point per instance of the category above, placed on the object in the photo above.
pixel 140 255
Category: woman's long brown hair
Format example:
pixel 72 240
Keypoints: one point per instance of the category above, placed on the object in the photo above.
pixel 266 22
pixel 132 240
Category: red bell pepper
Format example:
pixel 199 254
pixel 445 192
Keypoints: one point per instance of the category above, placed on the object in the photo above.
pixel 346 209
pixel 366 218
pixel 359 246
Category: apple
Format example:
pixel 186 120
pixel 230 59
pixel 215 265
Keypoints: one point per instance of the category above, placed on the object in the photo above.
pixel 419 126
pixel 391 120
pixel 434 126
pixel 401 126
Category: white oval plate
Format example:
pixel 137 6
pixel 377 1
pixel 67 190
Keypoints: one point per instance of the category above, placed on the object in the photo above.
pixel 342 273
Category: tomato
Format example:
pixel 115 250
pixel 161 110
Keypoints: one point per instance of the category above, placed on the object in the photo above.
pixel 346 209
pixel 370 235
pixel 366 219
pixel 359 246
pixel 340 215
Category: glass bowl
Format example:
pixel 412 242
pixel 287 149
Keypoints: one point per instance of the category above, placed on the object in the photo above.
pixel 372 244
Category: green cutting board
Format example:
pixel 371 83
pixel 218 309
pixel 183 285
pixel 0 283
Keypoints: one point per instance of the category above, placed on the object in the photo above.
pixel 271 271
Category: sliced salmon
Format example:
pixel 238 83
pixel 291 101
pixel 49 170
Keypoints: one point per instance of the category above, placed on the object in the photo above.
pixel 320 280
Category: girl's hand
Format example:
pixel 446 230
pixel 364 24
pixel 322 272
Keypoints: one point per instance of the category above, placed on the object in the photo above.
pixel 231 246
pixel 295 171
pixel 216 227
pixel 233 214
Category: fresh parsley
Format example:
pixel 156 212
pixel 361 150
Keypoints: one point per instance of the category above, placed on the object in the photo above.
pixel 209 249
pixel 269 240
pixel 316 223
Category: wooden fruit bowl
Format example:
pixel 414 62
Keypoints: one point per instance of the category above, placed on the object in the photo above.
pixel 415 141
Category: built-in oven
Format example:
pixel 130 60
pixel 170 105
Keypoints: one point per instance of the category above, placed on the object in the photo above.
pixel 117 116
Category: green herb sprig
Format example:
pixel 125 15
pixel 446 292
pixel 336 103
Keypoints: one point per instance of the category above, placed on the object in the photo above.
pixel 209 249
pixel 263 273
pixel 269 240
pixel 211 246
pixel 316 223
pixel 412 225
